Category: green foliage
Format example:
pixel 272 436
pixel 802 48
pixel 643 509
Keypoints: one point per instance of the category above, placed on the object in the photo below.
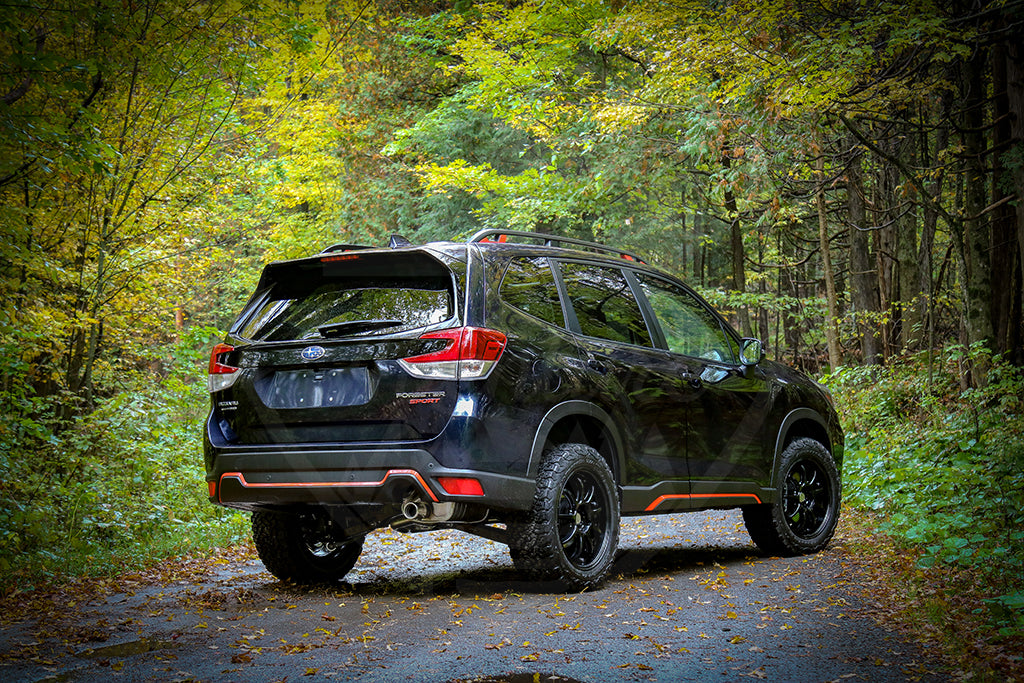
pixel 121 486
pixel 943 466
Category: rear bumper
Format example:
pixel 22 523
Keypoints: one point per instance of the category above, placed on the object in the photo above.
pixel 258 479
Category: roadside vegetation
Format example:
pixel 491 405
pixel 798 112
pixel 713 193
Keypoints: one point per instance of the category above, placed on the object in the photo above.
pixel 933 484
pixel 122 489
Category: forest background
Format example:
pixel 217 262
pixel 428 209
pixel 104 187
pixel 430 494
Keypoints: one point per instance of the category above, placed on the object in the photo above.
pixel 842 179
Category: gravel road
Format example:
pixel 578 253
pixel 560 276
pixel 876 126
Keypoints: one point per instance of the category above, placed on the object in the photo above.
pixel 690 599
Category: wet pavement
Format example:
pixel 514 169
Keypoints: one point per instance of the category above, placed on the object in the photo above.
pixel 690 599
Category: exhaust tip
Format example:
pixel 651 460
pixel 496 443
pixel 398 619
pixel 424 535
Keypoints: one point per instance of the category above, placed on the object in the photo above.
pixel 415 508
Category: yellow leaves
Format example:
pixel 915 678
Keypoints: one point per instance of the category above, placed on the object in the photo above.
pixel 618 116
pixel 497 646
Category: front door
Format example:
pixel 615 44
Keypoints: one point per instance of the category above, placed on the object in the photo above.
pixel 726 452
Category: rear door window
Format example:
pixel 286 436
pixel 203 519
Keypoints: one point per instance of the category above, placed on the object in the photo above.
pixel 604 304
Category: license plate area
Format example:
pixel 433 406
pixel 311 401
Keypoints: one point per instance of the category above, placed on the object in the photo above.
pixel 317 388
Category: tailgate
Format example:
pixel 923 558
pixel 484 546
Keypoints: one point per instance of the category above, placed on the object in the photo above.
pixel 319 346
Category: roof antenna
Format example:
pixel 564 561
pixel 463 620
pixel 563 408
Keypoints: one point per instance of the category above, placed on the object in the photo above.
pixel 397 241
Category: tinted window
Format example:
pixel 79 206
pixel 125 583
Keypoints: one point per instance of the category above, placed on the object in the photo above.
pixel 350 306
pixel 604 304
pixel 530 286
pixel 690 328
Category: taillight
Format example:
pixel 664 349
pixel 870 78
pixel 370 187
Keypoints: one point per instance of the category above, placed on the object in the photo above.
pixel 471 353
pixel 221 375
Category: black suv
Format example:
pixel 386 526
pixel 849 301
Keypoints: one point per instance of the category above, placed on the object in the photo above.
pixel 525 388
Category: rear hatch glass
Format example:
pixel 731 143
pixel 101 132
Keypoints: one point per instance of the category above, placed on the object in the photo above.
pixel 322 308
pixel 320 344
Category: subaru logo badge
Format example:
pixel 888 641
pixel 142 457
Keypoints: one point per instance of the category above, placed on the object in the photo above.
pixel 313 352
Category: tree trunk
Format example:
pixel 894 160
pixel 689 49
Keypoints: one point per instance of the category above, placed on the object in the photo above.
pixel 835 357
pixel 699 248
pixel 1015 110
pixel 739 274
pixel 910 293
pixel 977 230
pixel 885 251
pixel 863 276
pixel 1004 250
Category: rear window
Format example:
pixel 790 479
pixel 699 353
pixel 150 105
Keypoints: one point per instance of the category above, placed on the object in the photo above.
pixel 349 306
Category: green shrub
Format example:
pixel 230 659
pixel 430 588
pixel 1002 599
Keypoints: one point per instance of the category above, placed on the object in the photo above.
pixel 119 487
pixel 944 467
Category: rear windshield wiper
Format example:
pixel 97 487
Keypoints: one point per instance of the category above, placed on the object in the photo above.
pixel 356 327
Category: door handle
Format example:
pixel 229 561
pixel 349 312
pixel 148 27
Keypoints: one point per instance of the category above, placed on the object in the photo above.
pixel 693 380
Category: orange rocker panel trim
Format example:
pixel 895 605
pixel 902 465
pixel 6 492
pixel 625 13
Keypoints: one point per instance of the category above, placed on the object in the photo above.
pixel 694 496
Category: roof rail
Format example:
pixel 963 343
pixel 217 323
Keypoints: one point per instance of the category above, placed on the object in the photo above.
pixel 550 241
pixel 345 247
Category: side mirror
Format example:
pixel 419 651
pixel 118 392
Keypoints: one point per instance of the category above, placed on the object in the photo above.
pixel 751 352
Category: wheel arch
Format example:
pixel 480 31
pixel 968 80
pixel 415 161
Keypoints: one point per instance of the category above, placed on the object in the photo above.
pixel 579 422
pixel 801 423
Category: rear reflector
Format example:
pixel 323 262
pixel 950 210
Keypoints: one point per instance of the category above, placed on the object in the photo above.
pixel 221 375
pixel 471 353
pixel 460 486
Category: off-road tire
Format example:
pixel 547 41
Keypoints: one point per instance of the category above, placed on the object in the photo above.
pixel 571 532
pixel 303 548
pixel 805 513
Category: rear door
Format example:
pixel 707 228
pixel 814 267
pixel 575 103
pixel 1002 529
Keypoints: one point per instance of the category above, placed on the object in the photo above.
pixel 318 348
pixel 638 385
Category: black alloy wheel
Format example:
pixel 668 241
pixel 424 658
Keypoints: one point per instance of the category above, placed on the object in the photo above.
pixel 583 514
pixel 805 513
pixel 572 531
pixel 807 500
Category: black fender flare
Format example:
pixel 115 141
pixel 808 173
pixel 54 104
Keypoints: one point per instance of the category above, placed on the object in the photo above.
pixel 792 417
pixel 574 408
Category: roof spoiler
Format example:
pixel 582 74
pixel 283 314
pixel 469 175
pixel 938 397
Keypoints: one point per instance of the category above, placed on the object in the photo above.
pixel 395 242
